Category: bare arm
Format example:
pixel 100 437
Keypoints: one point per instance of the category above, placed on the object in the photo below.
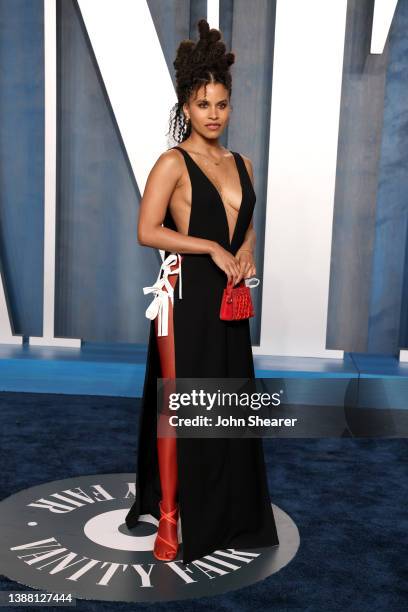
pixel 250 236
pixel 249 240
pixel 245 254
pixel 160 184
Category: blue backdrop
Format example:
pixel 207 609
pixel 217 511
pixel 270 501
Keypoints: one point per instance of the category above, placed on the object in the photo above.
pixel 101 269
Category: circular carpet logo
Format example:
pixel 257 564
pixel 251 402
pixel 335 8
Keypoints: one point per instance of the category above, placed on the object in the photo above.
pixel 69 536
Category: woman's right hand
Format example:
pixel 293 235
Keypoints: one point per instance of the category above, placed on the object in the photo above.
pixel 227 262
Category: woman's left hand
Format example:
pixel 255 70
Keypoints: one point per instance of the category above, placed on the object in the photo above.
pixel 246 264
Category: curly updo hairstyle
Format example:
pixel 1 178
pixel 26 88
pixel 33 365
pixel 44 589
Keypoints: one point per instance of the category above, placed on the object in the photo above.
pixel 198 63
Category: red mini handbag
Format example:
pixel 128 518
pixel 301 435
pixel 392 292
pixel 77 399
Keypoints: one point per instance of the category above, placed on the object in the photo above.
pixel 236 301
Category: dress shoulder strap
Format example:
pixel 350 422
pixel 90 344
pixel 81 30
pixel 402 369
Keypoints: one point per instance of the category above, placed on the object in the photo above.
pixel 238 157
pixel 180 149
pixel 190 163
pixel 242 165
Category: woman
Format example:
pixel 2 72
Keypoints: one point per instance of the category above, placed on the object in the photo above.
pixel 203 196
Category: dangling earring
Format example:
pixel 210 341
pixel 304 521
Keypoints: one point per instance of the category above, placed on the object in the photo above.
pixel 186 122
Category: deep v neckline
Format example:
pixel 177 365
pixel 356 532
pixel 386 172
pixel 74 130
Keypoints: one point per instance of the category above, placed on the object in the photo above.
pixel 230 241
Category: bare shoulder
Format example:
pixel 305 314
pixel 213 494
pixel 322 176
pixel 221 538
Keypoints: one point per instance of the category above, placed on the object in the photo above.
pixel 170 159
pixel 168 165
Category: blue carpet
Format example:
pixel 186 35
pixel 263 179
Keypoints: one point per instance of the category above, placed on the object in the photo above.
pixel 348 498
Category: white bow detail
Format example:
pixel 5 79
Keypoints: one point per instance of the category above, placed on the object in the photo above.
pixel 160 304
pixel 249 282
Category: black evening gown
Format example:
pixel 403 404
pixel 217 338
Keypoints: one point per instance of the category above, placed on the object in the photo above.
pixel 222 484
